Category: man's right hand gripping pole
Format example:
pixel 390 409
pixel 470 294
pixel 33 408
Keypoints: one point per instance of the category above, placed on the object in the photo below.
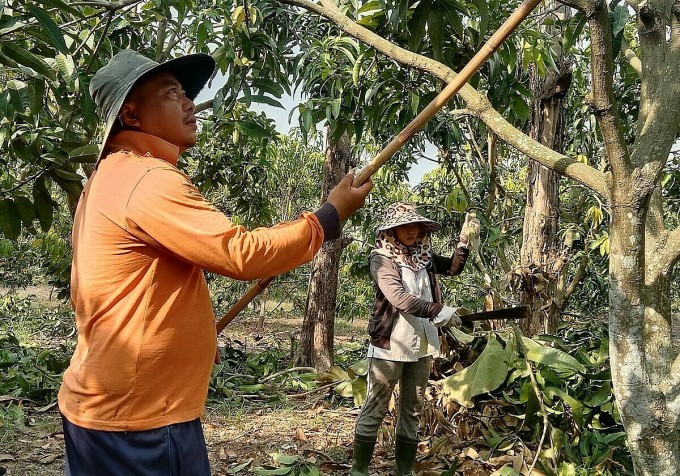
pixel 348 199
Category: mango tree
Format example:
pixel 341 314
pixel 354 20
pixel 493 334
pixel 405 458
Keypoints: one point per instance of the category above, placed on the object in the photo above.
pixel 643 252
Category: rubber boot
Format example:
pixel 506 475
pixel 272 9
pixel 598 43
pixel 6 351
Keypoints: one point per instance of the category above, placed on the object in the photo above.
pixel 405 450
pixel 363 451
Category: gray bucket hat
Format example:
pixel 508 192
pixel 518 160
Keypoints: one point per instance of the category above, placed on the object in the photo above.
pixel 112 83
pixel 402 214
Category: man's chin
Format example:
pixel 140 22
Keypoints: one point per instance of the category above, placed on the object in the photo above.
pixel 191 141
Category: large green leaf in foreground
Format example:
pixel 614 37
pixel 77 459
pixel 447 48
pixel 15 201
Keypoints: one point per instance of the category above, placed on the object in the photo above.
pixel 486 374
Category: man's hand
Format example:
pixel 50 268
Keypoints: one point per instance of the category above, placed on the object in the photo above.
pixel 469 234
pixel 347 199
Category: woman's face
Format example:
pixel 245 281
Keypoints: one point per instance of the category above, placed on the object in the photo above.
pixel 409 233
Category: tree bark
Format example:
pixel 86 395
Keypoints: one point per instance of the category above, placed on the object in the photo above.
pixel 645 368
pixel 318 327
pixel 541 251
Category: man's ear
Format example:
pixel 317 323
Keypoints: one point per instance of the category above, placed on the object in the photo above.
pixel 127 115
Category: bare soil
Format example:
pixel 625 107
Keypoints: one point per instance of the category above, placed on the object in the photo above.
pixel 312 426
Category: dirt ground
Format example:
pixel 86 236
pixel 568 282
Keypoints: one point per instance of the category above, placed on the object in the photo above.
pixel 311 427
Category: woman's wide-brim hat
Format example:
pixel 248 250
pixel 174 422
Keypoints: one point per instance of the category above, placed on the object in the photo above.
pixel 402 214
pixel 112 83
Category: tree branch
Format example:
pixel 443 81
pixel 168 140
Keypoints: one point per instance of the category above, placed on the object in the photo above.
pixel 578 275
pixel 586 6
pixel 477 103
pixel 203 106
pixel 670 252
pixel 659 117
pixel 602 100
pixel 21 183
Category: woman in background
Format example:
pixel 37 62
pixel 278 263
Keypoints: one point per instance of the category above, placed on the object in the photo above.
pixel 403 332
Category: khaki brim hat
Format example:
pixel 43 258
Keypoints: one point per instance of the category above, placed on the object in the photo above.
pixel 111 85
pixel 402 214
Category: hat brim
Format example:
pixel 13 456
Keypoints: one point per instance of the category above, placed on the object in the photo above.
pixel 428 225
pixel 192 71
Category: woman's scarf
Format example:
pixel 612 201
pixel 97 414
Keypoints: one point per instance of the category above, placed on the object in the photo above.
pixel 414 257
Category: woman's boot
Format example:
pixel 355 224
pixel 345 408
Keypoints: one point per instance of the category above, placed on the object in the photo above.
pixel 363 451
pixel 405 450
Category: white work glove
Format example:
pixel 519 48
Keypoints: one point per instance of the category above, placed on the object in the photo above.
pixel 448 317
pixel 469 234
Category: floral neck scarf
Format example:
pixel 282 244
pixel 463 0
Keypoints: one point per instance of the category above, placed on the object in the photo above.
pixel 415 257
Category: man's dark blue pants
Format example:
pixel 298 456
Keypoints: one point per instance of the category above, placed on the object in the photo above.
pixel 173 450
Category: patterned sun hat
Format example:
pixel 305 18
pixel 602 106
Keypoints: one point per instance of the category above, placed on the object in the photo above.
pixel 402 213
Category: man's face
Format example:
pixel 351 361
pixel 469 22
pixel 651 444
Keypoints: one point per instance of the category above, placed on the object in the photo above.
pixel 158 106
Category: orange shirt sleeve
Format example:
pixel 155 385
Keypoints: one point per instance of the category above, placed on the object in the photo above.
pixel 167 211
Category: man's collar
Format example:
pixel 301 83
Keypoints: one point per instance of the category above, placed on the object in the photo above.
pixel 143 144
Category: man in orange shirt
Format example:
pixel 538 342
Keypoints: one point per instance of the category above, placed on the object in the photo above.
pixel 142 237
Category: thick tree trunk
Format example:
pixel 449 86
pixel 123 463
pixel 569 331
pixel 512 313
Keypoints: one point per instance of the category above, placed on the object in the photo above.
pixel 540 254
pixel 649 401
pixel 639 353
pixel 317 335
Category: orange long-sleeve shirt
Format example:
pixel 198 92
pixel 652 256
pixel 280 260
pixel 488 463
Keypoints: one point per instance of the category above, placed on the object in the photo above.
pixel 142 236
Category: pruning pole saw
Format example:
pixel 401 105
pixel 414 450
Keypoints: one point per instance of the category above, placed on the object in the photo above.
pixel 414 126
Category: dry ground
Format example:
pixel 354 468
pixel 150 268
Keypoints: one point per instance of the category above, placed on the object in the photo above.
pixel 314 427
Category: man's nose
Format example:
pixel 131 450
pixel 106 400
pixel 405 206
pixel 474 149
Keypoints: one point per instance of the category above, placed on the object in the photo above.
pixel 189 104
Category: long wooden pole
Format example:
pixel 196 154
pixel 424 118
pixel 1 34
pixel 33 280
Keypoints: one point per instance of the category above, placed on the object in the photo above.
pixel 414 126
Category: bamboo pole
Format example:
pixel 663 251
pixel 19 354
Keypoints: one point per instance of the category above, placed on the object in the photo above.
pixel 254 290
pixel 414 126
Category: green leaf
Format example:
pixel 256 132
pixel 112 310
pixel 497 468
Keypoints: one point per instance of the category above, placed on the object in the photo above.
pixel 67 67
pixel 436 31
pixel 359 390
pixel 10 221
pixel 20 95
pixel 576 406
pixel 335 107
pixel 86 153
pixel 51 28
pixel 272 472
pixel 240 467
pixel 24 57
pixel 284 459
pixel 311 469
pixel 261 98
pixel 619 18
pixel 369 6
pixel 344 389
pixel 484 18
pixel 59 4
pixel 44 205
pixel 572 33
pixel 461 336
pixel 551 357
pixel 25 209
pixel 268 86
pixel 415 101
pixel 418 24
pixel 68 175
pixel 487 373
pixel 359 368
pixel 87 106
pixel 252 129
pixel 508 471
pixel 36 95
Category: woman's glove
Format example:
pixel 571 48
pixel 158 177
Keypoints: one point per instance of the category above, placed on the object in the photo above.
pixel 448 317
pixel 469 234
